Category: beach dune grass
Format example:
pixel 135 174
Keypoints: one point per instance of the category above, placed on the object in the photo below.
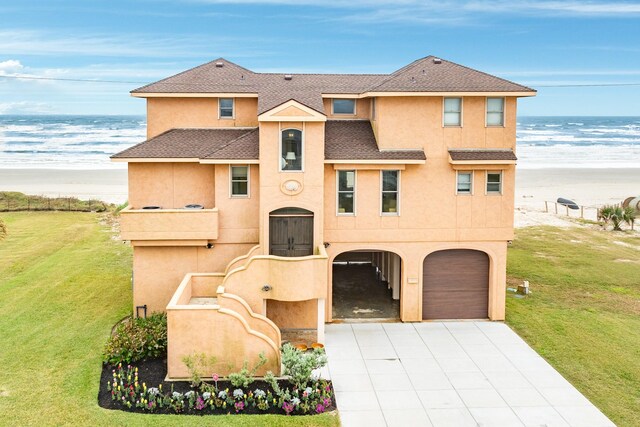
pixel 584 313
pixel 11 201
pixel 64 281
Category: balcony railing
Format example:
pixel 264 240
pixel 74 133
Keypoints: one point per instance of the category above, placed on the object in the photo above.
pixel 169 224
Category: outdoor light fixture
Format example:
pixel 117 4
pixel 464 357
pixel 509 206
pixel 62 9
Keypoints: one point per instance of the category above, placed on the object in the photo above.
pixel 142 308
pixel 209 245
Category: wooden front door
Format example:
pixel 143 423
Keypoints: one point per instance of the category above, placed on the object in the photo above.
pixel 455 285
pixel 291 233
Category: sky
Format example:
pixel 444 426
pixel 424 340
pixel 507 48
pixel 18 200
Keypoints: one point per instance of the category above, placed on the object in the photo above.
pixel 542 44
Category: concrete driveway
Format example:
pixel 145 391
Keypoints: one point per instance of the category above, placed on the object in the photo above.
pixel 452 374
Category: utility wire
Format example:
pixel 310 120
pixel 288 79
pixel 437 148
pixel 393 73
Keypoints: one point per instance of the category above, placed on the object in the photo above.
pixel 196 84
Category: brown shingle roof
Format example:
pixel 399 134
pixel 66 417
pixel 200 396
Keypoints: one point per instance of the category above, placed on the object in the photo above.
pixel 226 144
pixel 354 140
pixel 423 75
pixel 482 155
pixel 429 75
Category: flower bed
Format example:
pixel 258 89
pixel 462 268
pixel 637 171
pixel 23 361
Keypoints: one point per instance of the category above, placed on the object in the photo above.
pixel 141 388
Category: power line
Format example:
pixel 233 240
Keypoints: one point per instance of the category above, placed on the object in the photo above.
pixel 16 77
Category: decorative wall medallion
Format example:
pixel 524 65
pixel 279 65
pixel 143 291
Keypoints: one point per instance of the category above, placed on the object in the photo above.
pixel 291 187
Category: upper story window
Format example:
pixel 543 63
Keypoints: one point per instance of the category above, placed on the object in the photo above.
pixel 291 150
pixel 346 192
pixel 344 106
pixel 495 111
pixel 452 112
pixel 494 182
pixel 239 181
pixel 390 183
pixel 464 183
pixel 225 106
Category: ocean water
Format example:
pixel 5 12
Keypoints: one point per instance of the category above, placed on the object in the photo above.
pixel 86 142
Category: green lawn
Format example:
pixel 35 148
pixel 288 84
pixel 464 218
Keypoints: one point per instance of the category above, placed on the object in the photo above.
pixel 584 313
pixel 63 283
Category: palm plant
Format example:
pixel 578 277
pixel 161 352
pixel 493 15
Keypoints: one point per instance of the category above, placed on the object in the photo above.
pixel 617 215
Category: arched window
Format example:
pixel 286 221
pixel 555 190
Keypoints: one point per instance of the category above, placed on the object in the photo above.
pixel 291 150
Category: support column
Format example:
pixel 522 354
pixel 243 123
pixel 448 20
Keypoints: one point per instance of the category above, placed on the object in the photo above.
pixel 321 314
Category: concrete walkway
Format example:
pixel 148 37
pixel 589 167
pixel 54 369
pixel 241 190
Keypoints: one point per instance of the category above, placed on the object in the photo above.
pixel 452 374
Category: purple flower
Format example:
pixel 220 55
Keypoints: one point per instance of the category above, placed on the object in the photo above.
pixel 319 408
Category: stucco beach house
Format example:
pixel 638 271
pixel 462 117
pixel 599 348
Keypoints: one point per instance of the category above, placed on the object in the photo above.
pixel 263 202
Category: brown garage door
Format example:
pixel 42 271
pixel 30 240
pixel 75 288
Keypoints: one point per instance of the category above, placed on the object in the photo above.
pixel 455 285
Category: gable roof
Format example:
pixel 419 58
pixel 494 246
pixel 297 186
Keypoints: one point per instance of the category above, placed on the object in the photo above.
pixel 428 74
pixel 353 140
pixel 222 144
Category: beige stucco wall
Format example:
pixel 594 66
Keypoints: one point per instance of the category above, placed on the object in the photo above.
pixel 159 270
pixel 171 185
pixel 416 122
pixel 167 113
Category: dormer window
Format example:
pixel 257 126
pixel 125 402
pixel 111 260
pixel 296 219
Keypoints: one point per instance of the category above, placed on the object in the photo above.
pixel 344 106
pixel 291 150
pixel 225 107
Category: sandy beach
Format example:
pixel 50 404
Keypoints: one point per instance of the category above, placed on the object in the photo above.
pixel 587 187
pixel 109 185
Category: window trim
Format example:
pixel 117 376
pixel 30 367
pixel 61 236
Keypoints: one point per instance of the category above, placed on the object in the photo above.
pixel 233 109
pixel 397 212
pixel 355 106
pixel 470 193
pixel 486 111
pixel 486 183
pixel 444 98
pixel 355 185
pixel 239 196
pixel 301 150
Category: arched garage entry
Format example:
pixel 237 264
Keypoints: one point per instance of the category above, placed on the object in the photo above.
pixel 366 285
pixel 455 285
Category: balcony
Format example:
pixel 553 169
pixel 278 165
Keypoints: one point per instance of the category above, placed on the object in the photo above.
pixel 169 224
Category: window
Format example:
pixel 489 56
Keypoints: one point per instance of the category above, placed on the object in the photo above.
pixel 390 185
pixel 452 112
pixel 291 144
pixel 344 106
pixel 226 108
pixel 494 182
pixel 373 108
pixel 495 111
pixel 239 181
pixel 346 192
pixel 464 183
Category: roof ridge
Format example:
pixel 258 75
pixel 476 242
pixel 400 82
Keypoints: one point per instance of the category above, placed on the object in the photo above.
pixel 189 70
pixel 230 142
pixel 398 71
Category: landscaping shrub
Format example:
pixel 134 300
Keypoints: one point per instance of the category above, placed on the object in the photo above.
pixel 299 365
pixel 137 339
pixel 130 393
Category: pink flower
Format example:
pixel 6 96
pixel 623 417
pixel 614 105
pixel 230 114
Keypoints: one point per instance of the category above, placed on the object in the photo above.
pixel 319 408
pixel 215 377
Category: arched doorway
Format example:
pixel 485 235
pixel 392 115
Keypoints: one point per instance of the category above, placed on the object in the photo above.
pixel 455 285
pixel 291 232
pixel 366 285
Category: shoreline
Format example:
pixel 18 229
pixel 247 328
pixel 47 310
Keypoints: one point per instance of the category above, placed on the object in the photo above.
pixel 108 185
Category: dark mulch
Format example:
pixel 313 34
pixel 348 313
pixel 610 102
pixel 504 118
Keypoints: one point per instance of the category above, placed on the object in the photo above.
pixel 154 371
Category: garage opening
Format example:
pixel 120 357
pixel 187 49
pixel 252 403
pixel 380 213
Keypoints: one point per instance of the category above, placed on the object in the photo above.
pixel 455 285
pixel 366 285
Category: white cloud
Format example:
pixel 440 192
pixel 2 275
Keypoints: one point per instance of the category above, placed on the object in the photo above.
pixel 25 107
pixel 10 67
pixel 31 42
